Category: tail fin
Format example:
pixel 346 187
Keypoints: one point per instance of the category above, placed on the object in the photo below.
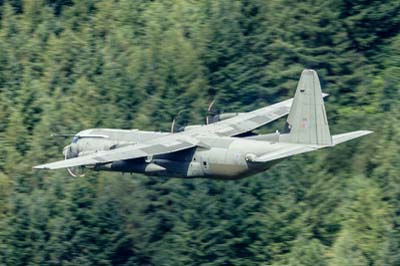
pixel 307 117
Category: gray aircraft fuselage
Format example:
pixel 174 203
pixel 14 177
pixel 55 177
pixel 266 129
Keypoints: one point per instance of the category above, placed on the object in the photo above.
pixel 220 158
pixel 224 148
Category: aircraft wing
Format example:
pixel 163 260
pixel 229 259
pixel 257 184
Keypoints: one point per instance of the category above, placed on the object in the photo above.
pixel 247 122
pixel 163 145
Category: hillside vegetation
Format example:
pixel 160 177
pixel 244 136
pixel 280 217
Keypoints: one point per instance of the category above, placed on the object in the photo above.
pixel 68 65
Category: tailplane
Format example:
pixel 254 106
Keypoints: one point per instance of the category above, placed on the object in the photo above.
pixel 337 139
pixel 307 120
pixel 309 129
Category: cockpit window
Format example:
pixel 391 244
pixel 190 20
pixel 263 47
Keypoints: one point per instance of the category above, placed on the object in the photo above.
pixel 75 139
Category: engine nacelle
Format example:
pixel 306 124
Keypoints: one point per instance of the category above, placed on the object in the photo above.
pixel 220 117
pixel 72 151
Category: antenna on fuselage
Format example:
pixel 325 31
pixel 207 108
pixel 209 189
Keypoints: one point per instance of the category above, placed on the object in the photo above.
pixel 61 135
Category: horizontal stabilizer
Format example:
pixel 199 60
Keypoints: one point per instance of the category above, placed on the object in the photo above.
pixel 291 150
pixel 337 139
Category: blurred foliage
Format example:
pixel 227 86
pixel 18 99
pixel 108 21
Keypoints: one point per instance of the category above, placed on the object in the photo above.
pixel 69 65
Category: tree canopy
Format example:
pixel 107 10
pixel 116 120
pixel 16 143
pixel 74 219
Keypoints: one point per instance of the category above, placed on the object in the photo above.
pixel 68 65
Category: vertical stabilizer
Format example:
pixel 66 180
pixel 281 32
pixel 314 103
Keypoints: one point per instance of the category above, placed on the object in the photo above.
pixel 307 117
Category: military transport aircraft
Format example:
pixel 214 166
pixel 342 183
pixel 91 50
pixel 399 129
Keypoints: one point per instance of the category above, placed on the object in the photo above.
pixel 222 148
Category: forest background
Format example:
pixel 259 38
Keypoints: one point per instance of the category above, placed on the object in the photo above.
pixel 70 65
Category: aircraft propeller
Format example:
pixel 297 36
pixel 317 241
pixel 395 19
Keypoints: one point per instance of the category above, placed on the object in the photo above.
pixel 211 113
pixel 71 151
pixel 214 115
pixel 175 126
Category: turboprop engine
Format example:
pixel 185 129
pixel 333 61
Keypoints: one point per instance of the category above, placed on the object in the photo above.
pixel 180 121
pixel 214 115
pixel 72 151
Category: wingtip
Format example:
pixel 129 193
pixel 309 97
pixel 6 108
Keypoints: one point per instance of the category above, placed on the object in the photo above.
pixel 40 167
